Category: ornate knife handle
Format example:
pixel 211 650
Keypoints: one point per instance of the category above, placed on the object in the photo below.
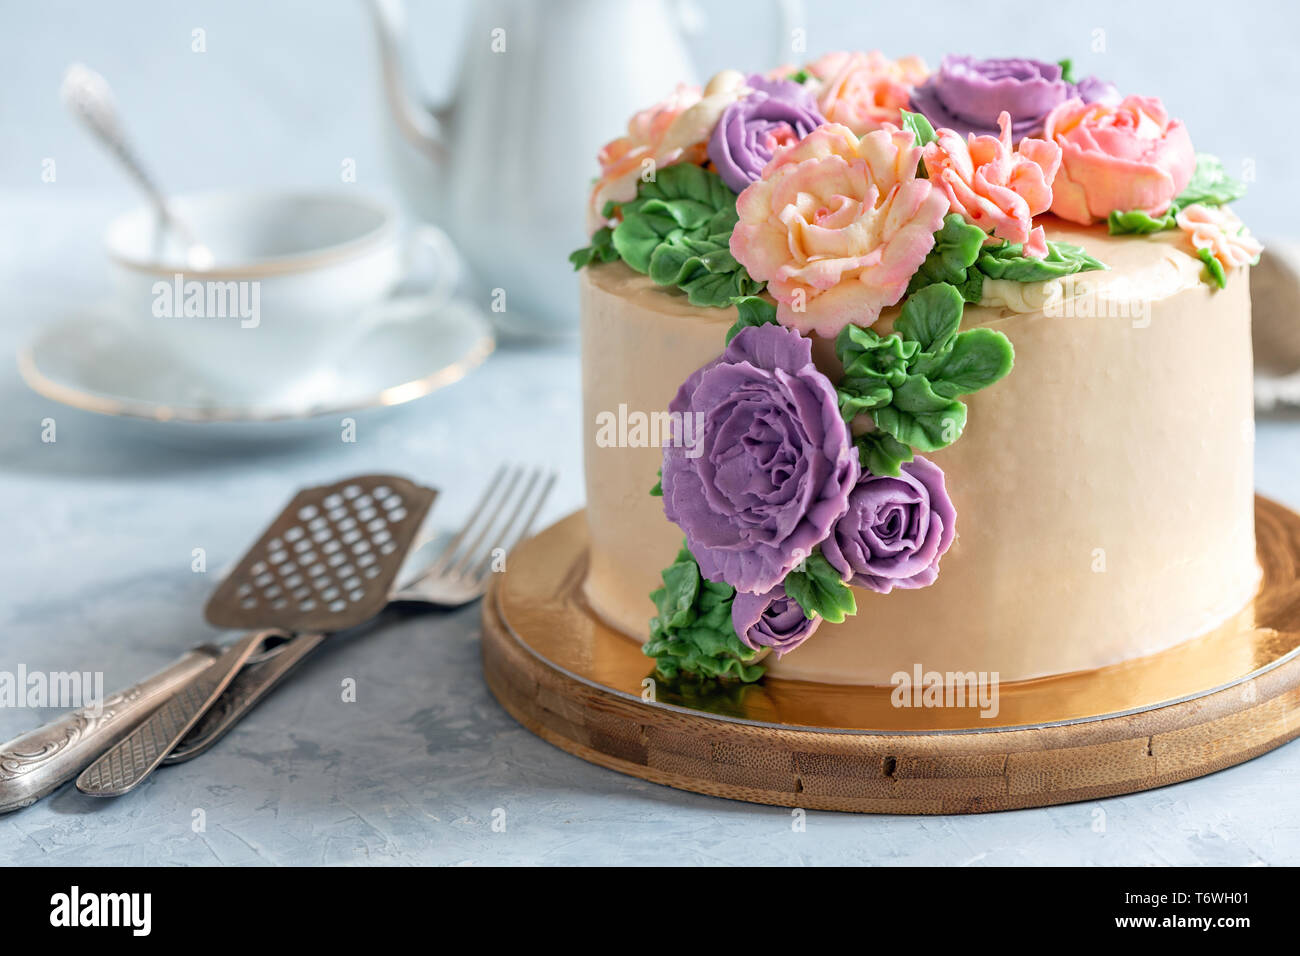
pixel 40 761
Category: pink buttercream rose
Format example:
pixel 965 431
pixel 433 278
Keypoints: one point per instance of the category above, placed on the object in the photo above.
pixel 995 186
pixel 864 91
pixel 1117 157
pixel 1222 233
pixel 837 226
pixel 676 130
pixel 782 72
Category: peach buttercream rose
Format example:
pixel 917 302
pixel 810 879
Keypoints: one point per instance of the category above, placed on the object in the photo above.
pixel 837 226
pixel 1117 157
pixel 1222 233
pixel 864 91
pixel 995 186
pixel 676 130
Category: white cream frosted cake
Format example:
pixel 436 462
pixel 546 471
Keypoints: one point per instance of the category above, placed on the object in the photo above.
pixel 886 368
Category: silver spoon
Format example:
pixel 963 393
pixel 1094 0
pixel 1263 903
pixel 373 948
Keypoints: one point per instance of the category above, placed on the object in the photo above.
pixel 89 97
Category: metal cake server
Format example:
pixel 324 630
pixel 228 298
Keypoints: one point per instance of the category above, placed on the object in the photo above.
pixel 325 564
pixel 137 755
pixel 457 575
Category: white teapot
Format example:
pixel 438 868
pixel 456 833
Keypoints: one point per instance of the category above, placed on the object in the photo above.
pixel 506 166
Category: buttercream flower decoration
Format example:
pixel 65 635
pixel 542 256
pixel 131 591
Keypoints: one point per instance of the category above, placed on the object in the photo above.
pixel 996 186
pixel 895 529
pixel 676 130
pixel 772 620
pixel 772 467
pixel 773 115
pixel 1218 233
pixel 864 91
pixel 1130 156
pixel 782 72
pixel 837 226
pixel 969 95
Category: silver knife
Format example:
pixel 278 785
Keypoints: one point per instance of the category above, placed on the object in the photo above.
pixel 42 760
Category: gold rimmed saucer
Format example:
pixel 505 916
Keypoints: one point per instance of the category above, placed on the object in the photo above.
pixel 1206 704
pixel 97 363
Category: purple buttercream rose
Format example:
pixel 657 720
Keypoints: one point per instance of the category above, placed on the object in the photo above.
pixel 895 529
pixel 776 113
pixel 770 466
pixel 772 620
pixel 967 94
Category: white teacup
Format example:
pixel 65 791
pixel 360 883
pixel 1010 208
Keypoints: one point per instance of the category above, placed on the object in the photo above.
pixel 295 281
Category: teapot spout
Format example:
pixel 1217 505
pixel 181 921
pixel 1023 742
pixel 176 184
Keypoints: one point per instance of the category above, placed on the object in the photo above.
pixel 418 124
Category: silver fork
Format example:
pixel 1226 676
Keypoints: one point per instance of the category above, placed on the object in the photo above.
pixel 460 574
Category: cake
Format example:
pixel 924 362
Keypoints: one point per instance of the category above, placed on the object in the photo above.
pixel 886 369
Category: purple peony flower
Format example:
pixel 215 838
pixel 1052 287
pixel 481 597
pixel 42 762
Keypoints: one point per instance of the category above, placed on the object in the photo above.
pixel 772 620
pixel 771 467
pixel 777 113
pixel 967 94
pixel 895 530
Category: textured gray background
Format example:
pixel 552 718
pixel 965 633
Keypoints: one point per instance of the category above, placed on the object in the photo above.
pixel 98 528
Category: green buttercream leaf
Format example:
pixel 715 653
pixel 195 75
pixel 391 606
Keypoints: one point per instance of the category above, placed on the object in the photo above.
pixel 861 395
pixel 754 310
pixel 601 249
pixel 800 76
pixel 1007 261
pixel 692 632
pixel 931 317
pixel 882 453
pixel 676 599
pixel 972 288
pixel 977 359
pixel 1135 221
pixel 678 232
pixel 1213 267
pixel 919 127
pixel 909 380
pixel 874 366
pixel 1210 185
pixel 1067 69
pixel 658 490
pixel 920 417
pixel 956 247
pixel 817 589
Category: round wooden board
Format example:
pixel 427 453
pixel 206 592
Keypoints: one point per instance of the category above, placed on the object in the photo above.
pixel 870 771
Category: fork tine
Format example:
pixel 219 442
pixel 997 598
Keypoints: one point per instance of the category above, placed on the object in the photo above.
pixel 508 536
pixel 449 551
pixel 471 549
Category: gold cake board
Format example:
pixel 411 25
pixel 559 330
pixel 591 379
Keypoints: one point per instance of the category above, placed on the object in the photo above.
pixel 1209 703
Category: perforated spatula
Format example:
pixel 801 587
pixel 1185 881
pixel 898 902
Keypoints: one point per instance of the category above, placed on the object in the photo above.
pixel 325 564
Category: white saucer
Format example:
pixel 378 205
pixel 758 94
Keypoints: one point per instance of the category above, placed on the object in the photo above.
pixel 97 363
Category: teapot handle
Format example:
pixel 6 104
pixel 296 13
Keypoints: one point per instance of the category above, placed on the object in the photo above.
pixel 417 123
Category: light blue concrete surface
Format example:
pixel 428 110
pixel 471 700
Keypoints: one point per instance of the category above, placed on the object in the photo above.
pixel 95 564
